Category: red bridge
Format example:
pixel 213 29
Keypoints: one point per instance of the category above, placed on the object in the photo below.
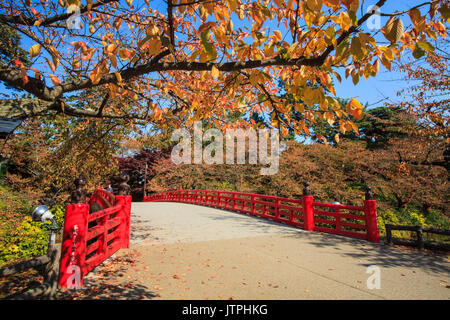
pixel 94 231
pixel 352 221
pixel 192 251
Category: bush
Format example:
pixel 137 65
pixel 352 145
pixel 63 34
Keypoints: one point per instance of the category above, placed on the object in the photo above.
pixel 20 236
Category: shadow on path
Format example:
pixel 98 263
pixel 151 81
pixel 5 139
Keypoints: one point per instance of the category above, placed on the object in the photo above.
pixel 377 253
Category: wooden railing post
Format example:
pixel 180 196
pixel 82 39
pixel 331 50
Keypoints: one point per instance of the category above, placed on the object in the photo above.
pixel 370 211
pixel 73 247
pixel 420 243
pixel 307 206
pixel 389 240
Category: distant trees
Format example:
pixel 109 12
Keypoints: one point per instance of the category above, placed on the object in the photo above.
pixel 377 127
pixel 336 173
pixel 136 165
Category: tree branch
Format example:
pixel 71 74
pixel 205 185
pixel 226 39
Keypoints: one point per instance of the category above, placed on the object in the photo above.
pixel 28 21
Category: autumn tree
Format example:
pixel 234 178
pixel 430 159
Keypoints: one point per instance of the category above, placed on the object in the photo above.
pixel 191 60
pixel 141 166
pixel 427 100
pixel 47 153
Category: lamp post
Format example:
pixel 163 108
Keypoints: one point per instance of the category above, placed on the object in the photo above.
pixel 43 214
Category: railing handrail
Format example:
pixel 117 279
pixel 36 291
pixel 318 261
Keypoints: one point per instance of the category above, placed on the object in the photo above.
pixel 108 230
pixel 233 192
pixel 232 200
pixel 419 242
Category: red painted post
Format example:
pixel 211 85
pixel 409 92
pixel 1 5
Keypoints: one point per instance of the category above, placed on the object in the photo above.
pixel 308 210
pixel 370 211
pixel 337 216
pixel 308 213
pixel 253 204
pixel 291 215
pixel 277 209
pixel 73 247
pixel 234 201
pixel 125 220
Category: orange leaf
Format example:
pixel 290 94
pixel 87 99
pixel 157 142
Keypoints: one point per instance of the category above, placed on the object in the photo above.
pixel 54 79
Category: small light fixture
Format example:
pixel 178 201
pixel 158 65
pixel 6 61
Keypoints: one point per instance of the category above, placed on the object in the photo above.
pixel 43 214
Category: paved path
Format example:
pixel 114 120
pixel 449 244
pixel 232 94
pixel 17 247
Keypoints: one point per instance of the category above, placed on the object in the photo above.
pixel 192 252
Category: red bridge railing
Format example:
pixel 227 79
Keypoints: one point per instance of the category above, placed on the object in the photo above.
pixel 92 233
pixel 353 221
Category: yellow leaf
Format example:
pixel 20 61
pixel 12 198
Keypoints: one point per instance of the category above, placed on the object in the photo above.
pixel 232 4
pixel 118 77
pixel 278 35
pixel 352 5
pixel 336 138
pixel 113 60
pixel 254 78
pixel 329 118
pixel 299 107
pixel 124 54
pixel 35 50
pixel 334 4
pixel 215 72
pixel 314 5
pixel 154 46
pixel 355 108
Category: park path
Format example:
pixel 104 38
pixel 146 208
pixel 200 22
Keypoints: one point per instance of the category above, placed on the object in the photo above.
pixel 183 251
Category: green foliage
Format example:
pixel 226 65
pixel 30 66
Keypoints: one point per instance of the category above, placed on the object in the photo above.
pixel 10 48
pixel 377 127
pixel 20 237
pixel 412 216
pixel 3 169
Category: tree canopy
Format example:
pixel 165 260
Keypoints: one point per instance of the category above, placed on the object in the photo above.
pixel 178 61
